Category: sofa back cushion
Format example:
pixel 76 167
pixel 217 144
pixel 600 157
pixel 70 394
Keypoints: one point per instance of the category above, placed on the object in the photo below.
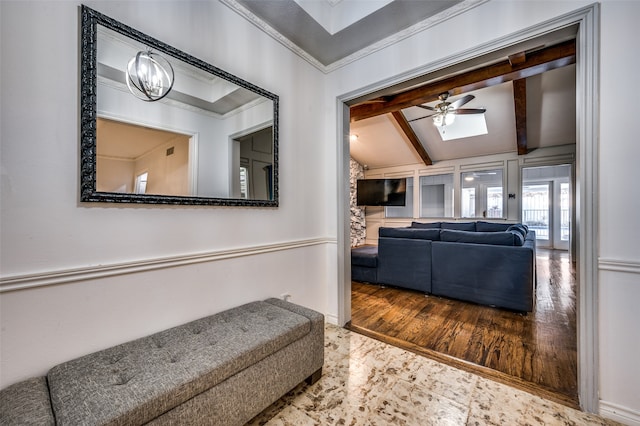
pixel 494 238
pixel 482 226
pixel 413 233
pixel 459 226
pixel 432 225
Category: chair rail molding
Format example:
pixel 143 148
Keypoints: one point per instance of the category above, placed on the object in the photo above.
pixel 63 276
pixel 619 265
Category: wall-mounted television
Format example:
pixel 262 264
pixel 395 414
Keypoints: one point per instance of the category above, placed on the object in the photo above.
pixel 382 192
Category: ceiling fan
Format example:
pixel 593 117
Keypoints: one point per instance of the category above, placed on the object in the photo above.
pixel 445 111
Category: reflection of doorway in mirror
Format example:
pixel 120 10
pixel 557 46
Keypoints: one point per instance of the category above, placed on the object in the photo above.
pixel 126 151
pixel 253 176
pixel 141 183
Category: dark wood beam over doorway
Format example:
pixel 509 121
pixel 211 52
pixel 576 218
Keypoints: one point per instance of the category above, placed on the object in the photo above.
pixel 523 66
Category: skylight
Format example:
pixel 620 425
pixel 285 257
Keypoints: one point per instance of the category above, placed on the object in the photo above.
pixel 464 126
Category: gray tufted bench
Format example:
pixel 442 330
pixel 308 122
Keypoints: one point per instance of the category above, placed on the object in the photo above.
pixel 220 370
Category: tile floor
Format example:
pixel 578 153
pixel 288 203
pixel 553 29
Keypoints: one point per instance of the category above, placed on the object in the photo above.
pixel 367 382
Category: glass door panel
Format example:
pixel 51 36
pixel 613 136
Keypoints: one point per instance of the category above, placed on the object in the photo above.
pixel 535 210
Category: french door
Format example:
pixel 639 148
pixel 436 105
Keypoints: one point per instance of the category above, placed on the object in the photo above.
pixel 546 208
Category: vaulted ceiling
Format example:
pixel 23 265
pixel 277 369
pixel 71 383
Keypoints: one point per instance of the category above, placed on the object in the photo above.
pixel 528 91
pixel 529 99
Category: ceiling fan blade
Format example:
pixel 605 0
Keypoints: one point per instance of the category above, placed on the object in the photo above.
pixel 420 118
pixel 468 111
pixel 427 107
pixel 463 100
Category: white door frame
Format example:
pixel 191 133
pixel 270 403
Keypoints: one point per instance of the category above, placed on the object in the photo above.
pixel 586 188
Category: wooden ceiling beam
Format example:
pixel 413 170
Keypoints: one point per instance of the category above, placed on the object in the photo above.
pixel 520 106
pixel 413 138
pixel 532 63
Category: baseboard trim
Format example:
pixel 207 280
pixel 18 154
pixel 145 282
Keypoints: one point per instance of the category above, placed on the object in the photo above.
pixel 331 319
pixel 620 414
pixel 27 281
pixel 619 265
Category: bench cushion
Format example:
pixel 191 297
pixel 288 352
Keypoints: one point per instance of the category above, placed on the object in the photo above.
pixel 26 403
pixel 137 381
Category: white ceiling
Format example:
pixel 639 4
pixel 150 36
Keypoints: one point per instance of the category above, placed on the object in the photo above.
pixel 550 100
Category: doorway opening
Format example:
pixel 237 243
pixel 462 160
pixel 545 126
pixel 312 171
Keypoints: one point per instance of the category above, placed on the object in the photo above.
pixel 586 178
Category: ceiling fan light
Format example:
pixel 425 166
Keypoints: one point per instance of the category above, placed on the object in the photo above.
pixel 449 119
pixel 445 119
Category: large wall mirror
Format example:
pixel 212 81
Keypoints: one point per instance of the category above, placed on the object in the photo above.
pixel 194 134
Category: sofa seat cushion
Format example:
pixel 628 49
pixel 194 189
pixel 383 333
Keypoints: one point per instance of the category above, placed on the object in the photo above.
pixel 412 233
pixel 136 381
pixel 495 238
pixel 366 256
pixel 26 403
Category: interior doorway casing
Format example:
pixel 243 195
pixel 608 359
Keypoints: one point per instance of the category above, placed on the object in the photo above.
pixel 586 173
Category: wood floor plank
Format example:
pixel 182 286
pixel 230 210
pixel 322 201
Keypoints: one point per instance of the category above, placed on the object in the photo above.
pixel 536 351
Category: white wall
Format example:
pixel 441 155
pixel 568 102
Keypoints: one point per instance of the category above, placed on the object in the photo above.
pixel 114 264
pixel 45 229
pixel 619 280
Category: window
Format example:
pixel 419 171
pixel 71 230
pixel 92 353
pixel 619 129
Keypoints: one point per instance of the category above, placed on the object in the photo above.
pixel 494 201
pixel 482 194
pixel 407 209
pixel 468 202
pixel 565 203
pixel 244 186
pixel 436 196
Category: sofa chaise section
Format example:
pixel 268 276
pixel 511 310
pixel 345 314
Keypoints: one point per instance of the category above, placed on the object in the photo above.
pixel 404 257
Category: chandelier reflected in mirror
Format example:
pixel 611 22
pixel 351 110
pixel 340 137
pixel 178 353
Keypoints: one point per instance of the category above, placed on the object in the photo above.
pixel 149 76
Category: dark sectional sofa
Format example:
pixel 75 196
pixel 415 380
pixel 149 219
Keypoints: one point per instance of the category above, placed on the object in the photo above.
pixel 482 262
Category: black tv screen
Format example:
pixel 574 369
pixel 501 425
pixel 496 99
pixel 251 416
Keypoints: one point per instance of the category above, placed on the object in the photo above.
pixel 382 192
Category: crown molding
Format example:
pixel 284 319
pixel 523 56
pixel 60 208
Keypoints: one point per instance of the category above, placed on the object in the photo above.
pixel 449 13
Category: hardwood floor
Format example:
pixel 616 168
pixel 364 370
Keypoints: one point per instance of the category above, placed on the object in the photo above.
pixel 535 352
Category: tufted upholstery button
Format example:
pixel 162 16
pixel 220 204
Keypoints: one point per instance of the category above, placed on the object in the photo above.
pixel 123 379
pixel 114 359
